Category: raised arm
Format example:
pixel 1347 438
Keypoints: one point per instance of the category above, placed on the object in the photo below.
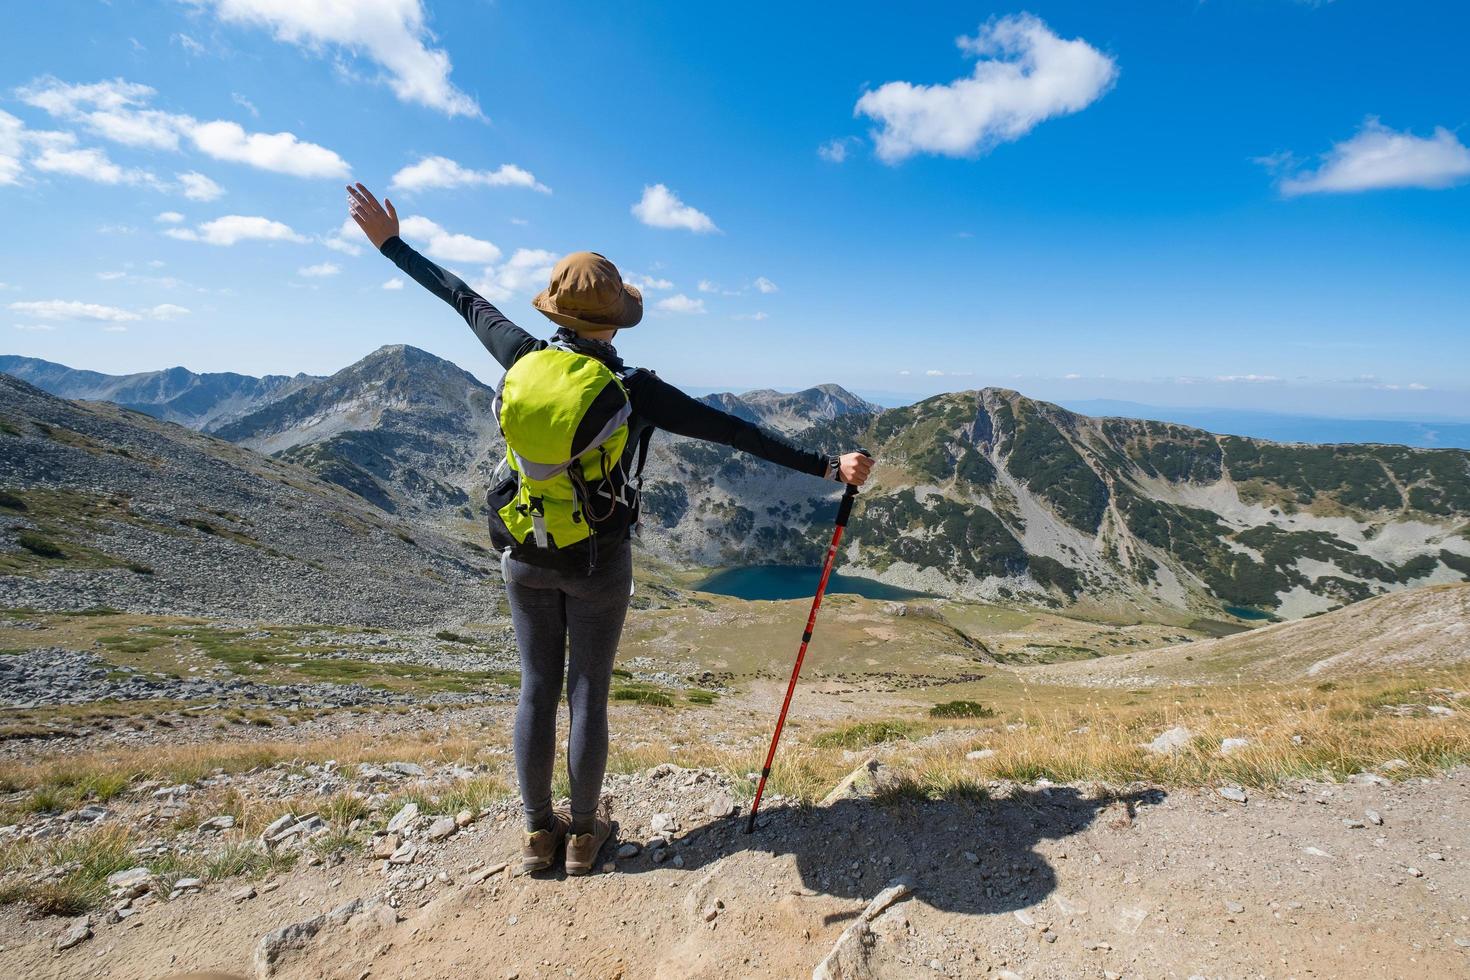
pixel 505 341
pixel 670 409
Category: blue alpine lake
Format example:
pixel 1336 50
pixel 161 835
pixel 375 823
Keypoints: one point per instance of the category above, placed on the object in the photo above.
pixel 1246 612
pixel 795 582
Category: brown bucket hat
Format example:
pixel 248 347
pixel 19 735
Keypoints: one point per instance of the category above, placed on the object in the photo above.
pixel 587 293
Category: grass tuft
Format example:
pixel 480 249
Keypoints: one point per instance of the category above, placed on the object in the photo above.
pixel 865 733
pixel 961 709
pixel 40 545
pixel 643 694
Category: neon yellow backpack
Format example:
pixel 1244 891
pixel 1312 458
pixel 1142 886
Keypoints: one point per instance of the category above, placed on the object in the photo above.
pixel 564 415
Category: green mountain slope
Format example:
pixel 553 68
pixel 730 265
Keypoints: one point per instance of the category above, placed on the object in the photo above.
pixel 992 494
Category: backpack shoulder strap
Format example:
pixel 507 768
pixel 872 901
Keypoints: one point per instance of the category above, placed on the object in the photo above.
pixel 644 438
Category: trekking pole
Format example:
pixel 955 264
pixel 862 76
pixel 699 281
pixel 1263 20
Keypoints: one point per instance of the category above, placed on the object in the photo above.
pixel 844 511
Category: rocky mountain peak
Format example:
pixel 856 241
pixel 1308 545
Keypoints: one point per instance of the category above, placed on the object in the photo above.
pixel 405 362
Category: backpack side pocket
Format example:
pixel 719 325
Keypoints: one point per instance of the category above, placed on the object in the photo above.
pixel 499 496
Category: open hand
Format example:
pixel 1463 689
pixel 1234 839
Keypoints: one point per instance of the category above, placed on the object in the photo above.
pixel 377 224
pixel 855 467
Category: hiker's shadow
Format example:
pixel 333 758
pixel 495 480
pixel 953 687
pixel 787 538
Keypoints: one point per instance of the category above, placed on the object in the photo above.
pixel 974 856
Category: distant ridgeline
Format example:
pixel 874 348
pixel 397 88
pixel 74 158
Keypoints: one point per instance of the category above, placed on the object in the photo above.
pixel 983 494
pixel 199 401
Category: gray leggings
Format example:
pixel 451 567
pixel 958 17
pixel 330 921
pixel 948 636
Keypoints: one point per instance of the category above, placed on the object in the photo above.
pixel 548 609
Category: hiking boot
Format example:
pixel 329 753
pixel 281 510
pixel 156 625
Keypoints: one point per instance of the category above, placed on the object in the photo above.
pixel 582 848
pixel 538 849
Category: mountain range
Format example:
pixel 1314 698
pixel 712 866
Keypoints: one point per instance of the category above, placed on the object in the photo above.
pixel 199 401
pixel 982 494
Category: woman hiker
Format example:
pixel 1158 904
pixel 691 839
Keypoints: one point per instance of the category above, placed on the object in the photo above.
pixel 569 616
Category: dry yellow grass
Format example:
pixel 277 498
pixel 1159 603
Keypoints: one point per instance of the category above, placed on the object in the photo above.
pixel 1326 731
pixel 186 763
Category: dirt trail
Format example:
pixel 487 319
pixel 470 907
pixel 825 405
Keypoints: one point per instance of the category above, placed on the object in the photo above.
pixel 1037 882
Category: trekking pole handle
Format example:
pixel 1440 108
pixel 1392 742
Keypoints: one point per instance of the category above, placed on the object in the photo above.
pixel 844 509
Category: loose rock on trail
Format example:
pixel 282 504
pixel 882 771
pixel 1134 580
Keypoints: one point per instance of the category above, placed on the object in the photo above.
pixel 1036 881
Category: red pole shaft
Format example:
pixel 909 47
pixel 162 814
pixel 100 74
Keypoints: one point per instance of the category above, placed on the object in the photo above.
pixel 806 637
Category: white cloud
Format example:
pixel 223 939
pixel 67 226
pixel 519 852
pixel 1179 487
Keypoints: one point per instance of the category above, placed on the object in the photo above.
pixel 1025 74
pixel 706 286
pixel 319 271
pixel 168 218
pixel 35 326
pixel 441 244
pixel 437 172
pixel 118 110
pixel 389 32
pixel 650 284
pixel 346 239
pixel 1377 157
pixel 114 328
pixel 278 152
pixel 905 372
pixel 89 163
pixel 524 273
pixel 189 44
pixel 934 374
pixel 1248 379
pixel 67 309
pixel 765 285
pixel 197 187
pixel 111 276
pixel 835 150
pixel 58 152
pixel 11 130
pixel 168 311
pixel 234 228
pixel 679 303
pixel 751 316
pixel 245 104
pixel 661 208
pixel 70 309
pixel 394 283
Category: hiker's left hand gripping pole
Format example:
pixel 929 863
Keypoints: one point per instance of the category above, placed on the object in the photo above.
pixel 844 511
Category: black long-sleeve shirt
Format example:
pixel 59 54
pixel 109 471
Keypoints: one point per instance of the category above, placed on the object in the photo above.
pixel 658 403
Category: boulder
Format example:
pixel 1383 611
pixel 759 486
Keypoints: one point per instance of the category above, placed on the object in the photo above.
pixel 130 883
pixel 77 932
pixel 404 818
pixel 1170 742
pixel 276 945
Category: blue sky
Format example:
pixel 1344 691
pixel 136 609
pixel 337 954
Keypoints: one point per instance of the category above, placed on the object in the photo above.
pixel 1247 203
